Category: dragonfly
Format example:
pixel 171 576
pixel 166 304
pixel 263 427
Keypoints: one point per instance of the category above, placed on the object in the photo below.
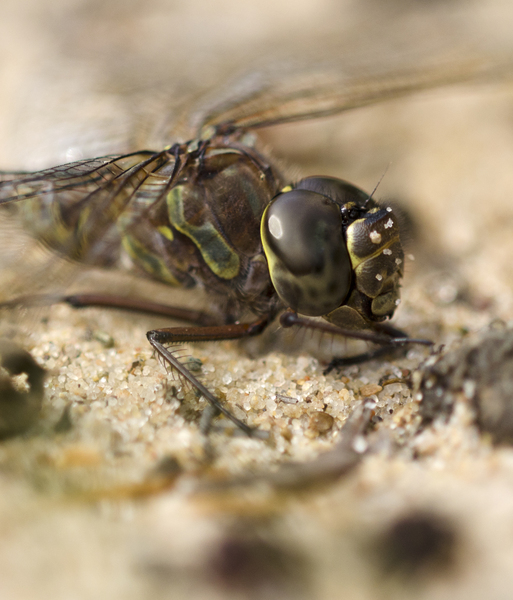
pixel 214 213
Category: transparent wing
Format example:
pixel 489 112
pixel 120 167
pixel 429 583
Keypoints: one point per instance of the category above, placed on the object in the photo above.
pixel 79 210
pixel 291 92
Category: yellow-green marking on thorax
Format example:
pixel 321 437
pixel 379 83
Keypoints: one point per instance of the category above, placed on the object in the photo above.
pixel 221 259
pixel 147 260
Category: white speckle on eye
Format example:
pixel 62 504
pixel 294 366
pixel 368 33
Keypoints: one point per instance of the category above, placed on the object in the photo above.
pixel 275 228
pixel 379 277
pixel 398 261
pixel 389 224
pixel 398 301
pixel 389 209
pixel 387 252
pixel 375 237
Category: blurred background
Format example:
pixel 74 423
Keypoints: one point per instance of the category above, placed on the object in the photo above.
pixel 82 78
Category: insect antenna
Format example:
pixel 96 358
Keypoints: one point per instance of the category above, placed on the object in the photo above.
pixel 377 184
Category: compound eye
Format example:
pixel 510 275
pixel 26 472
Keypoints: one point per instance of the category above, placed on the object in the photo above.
pixel 336 189
pixel 306 252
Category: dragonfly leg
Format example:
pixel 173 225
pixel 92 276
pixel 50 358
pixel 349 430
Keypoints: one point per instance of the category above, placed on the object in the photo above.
pixel 357 359
pixel 396 346
pixel 161 338
pixel 130 303
pixel 141 305
pixel 390 338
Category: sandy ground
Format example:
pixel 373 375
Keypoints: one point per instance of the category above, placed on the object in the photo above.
pixel 123 497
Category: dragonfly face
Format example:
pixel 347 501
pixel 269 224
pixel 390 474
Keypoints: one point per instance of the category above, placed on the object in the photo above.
pixel 333 252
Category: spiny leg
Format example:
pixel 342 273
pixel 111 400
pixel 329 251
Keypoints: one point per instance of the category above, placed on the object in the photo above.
pixel 159 338
pixel 346 361
pixel 390 338
pixel 398 340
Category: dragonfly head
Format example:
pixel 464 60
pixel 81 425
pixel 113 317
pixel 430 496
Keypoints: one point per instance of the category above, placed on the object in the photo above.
pixel 332 251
